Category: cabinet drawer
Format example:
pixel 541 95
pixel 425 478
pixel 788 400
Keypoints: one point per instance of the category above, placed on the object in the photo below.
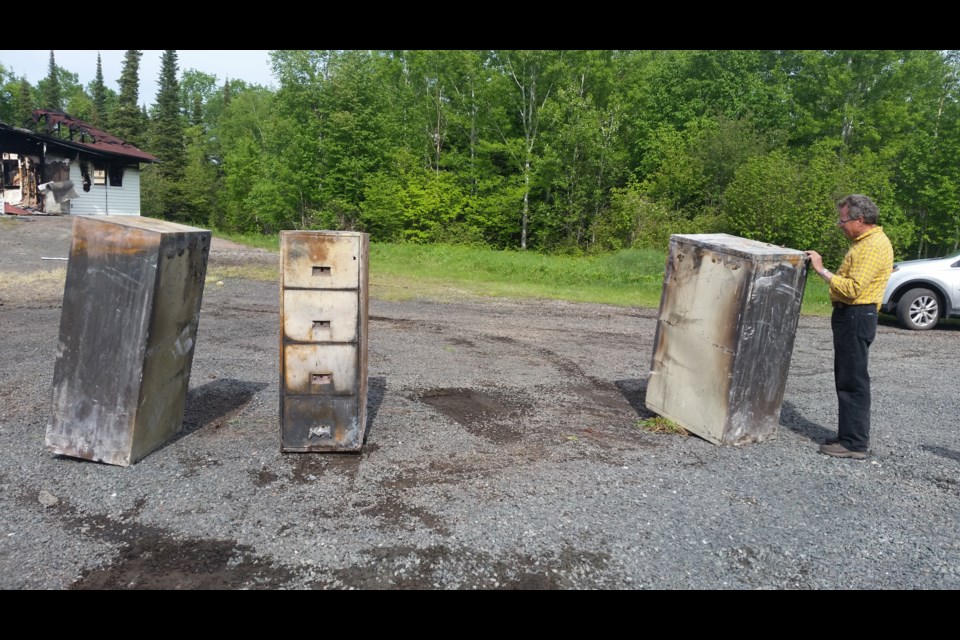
pixel 312 423
pixel 314 260
pixel 320 316
pixel 325 369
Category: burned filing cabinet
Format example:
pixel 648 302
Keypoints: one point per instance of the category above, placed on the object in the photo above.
pixel 323 340
pixel 729 311
pixel 128 325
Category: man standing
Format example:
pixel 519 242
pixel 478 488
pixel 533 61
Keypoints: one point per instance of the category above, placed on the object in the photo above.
pixel 856 291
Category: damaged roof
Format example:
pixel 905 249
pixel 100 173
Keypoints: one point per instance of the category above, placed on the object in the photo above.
pixel 83 137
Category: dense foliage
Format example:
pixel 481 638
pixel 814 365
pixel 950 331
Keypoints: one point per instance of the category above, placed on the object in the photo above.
pixel 555 151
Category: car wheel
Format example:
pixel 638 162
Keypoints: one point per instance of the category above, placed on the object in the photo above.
pixel 918 309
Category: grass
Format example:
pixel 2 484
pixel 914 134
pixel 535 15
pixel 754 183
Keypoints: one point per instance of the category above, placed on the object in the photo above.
pixel 405 271
pixel 33 286
pixel 625 278
pixel 816 297
pixel 659 424
pixel 257 240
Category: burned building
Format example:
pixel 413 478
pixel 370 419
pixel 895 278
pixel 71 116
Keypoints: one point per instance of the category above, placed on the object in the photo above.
pixel 69 167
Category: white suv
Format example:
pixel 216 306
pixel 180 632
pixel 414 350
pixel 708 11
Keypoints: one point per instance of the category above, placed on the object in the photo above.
pixel 920 292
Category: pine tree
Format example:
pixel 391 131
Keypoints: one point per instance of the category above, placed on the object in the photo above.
pixel 99 91
pixel 50 97
pixel 196 113
pixel 167 129
pixel 23 116
pixel 168 140
pixel 127 121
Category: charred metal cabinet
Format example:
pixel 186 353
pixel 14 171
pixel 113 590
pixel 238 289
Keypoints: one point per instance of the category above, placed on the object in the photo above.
pixel 728 317
pixel 323 340
pixel 128 324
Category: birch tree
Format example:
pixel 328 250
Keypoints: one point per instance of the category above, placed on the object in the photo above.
pixel 530 77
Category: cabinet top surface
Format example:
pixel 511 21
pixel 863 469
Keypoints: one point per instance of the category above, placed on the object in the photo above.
pixel 725 242
pixel 140 222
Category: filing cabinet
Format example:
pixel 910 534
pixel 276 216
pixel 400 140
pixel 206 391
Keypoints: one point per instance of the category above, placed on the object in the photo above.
pixel 728 316
pixel 128 325
pixel 323 340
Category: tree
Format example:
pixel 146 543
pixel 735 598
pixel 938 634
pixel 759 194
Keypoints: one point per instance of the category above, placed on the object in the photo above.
pixel 167 122
pixel 16 100
pixel 200 180
pixel 196 89
pixel 530 78
pixel 584 150
pixel 50 97
pixel 245 160
pixel 335 128
pixel 99 92
pixel 583 153
pixel 61 91
pixel 77 102
pixel 127 122
pixel 788 197
pixel 6 95
pixel 928 169
pixel 23 109
pixel 167 142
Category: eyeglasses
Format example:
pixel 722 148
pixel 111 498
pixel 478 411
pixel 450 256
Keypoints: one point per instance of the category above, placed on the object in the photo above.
pixel 842 222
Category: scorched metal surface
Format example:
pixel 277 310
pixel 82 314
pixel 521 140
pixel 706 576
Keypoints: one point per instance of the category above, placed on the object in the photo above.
pixel 323 340
pixel 128 324
pixel 728 317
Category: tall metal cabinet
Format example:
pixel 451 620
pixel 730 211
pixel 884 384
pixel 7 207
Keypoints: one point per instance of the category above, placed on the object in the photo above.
pixel 729 311
pixel 323 340
pixel 128 325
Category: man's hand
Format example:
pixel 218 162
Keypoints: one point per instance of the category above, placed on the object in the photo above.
pixel 816 261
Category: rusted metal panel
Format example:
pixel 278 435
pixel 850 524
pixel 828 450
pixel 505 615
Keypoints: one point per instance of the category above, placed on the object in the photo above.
pixel 321 260
pixel 128 323
pixel 323 340
pixel 728 317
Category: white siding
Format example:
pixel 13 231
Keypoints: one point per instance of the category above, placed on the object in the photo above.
pixel 11 195
pixel 104 199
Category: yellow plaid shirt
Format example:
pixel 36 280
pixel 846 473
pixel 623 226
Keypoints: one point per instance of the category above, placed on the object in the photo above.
pixel 865 269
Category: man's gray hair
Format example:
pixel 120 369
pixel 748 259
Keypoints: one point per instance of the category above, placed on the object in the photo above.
pixel 860 206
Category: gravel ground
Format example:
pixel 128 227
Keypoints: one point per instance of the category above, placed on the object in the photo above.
pixel 503 452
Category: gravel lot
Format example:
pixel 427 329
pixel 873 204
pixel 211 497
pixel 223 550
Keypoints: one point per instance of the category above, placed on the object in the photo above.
pixel 503 452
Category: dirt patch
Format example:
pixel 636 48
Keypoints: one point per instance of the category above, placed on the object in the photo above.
pixel 484 413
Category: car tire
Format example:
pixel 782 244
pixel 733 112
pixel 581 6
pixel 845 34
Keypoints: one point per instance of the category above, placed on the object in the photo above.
pixel 918 309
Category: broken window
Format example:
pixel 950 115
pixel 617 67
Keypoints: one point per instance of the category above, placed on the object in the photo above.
pixel 98 173
pixel 116 175
pixel 11 173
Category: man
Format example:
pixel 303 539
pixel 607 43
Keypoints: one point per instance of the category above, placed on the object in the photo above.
pixel 856 291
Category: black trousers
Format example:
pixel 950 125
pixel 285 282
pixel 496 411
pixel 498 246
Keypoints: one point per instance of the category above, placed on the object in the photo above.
pixel 854 329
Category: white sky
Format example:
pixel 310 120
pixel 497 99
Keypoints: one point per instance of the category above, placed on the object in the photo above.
pixel 238 64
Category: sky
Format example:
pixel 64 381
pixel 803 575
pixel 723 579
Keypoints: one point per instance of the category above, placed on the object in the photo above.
pixel 236 64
